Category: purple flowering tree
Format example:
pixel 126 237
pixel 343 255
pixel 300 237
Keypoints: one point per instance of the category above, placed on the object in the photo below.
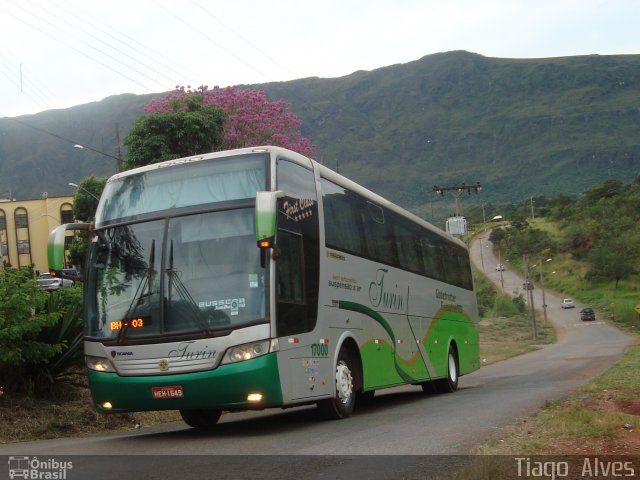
pixel 251 119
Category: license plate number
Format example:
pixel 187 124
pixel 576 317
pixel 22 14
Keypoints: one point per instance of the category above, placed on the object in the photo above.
pixel 167 392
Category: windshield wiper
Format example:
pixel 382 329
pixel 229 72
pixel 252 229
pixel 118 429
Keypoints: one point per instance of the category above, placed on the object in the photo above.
pixel 146 282
pixel 184 294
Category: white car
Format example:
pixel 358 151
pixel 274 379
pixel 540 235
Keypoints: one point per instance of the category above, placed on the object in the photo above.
pixel 46 281
pixel 567 303
pixel 500 267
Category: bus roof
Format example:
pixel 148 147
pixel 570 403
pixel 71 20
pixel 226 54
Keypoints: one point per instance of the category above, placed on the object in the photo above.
pixel 325 172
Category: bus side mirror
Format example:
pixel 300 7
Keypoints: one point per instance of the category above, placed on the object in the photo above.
pixel 56 245
pixel 266 223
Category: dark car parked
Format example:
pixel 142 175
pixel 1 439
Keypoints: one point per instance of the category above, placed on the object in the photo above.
pixel 587 314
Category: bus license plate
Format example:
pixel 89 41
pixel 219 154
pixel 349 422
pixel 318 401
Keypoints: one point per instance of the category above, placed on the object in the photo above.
pixel 167 392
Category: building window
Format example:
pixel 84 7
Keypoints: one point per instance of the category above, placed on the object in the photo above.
pixel 23 247
pixel 66 216
pixel 21 220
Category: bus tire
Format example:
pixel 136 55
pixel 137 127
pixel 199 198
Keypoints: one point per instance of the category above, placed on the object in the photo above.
pixel 450 383
pixel 202 419
pixel 341 405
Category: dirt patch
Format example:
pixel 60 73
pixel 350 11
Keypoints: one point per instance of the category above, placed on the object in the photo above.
pixel 630 407
pixel 625 443
pixel 623 401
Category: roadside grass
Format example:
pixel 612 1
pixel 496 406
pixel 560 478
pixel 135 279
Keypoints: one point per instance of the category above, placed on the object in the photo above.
pixel 68 413
pixel 565 274
pixel 599 419
pixel 506 337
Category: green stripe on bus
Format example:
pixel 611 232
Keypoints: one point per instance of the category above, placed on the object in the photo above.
pixel 356 307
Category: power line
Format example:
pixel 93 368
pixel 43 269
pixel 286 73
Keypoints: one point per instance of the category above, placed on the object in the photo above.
pixel 121 52
pixel 221 47
pixel 18 79
pixel 59 137
pixel 106 54
pixel 259 50
pixel 92 58
pixel 131 40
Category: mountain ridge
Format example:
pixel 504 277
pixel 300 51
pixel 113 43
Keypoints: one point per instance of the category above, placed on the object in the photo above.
pixel 520 127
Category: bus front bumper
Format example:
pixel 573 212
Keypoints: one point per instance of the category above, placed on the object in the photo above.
pixel 226 388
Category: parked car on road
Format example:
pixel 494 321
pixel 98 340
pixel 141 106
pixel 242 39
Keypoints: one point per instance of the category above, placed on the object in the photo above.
pixel 46 281
pixel 500 267
pixel 567 303
pixel 587 314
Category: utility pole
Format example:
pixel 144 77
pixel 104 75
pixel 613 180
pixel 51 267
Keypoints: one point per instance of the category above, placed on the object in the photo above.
pixel 118 148
pixel 457 192
pixel 500 262
pixel 544 301
pixel 533 217
pixel 529 287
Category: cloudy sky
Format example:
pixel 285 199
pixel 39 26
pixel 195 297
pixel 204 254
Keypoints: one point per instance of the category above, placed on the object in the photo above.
pixel 61 53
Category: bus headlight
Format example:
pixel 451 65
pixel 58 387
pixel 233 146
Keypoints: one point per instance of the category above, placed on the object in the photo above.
pixel 248 351
pixel 99 364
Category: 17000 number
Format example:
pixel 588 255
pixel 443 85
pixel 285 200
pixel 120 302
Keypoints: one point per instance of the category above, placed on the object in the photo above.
pixel 319 350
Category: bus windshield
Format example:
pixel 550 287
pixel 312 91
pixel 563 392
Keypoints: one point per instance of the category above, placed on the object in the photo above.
pixel 194 183
pixel 195 273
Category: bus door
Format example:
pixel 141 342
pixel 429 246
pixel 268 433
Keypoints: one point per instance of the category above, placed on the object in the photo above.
pixel 303 359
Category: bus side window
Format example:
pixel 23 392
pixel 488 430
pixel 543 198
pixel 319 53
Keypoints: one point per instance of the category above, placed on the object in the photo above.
pixel 409 247
pixel 379 235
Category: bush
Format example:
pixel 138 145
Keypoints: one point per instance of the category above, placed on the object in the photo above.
pixel 519 303
pixel 505 306
pixel 39 332
pixel 485 293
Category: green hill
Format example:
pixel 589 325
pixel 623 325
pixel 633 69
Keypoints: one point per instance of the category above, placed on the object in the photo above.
pixel 520 127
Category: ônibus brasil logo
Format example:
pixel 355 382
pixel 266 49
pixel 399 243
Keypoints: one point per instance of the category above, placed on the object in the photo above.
pixel 34 468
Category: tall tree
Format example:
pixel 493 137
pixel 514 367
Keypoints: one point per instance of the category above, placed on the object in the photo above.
pixel 85 200
pixel 188 128
pixel 251 119
pixel 613 258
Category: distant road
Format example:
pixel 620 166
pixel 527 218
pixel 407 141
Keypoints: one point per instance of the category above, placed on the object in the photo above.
pixel 400 421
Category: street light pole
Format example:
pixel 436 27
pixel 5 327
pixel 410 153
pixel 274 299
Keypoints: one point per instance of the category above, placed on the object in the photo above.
pixel 529 287
pixel 50 216
pixel 500 262
pixel 71 184
pixel 544 301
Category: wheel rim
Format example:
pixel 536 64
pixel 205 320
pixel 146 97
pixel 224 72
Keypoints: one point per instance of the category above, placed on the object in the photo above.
pixel 453 371
pixel 344 382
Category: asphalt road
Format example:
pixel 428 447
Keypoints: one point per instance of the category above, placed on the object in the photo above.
pixel 401 434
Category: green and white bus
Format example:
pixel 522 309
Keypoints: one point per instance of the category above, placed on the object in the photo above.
pixel 258 278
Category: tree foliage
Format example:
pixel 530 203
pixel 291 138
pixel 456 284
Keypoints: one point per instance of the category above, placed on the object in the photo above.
pixel 522 239
pixel 85 199
pixel 187 128
pixel 602 227
pixel 251 119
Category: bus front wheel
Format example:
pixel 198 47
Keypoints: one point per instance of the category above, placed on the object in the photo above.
pixel 450 383
pixel 343 402
pixel 202 419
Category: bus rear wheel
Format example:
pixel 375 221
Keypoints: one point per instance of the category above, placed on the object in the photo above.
pixel 343 402
pixel 450 383
pixel 202 419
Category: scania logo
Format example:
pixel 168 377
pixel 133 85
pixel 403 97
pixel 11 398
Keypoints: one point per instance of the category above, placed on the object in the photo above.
pixel 113 354
pixel 163 365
